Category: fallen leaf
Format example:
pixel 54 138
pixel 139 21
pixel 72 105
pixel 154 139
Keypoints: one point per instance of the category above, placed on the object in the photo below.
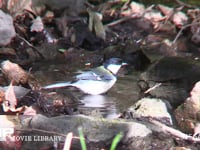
pixel 96 24
pixel 19 91
pixel 10 97
pixel 14 72
pixel 30 111
pixel 15 7
pixel 10 102
pixel 37 25
pixel 68 141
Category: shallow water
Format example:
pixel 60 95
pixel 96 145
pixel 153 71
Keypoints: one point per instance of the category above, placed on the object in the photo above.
pixel 121 96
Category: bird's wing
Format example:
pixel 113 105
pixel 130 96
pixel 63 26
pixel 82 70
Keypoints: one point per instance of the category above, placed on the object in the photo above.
pixel 98 73
pixel 89 75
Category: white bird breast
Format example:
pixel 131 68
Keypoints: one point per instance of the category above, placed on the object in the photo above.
pixel 95 87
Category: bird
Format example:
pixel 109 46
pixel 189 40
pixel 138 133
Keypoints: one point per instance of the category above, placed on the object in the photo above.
pixel 95 81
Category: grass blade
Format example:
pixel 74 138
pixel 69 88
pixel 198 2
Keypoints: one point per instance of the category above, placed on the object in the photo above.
pixel 115 141
pixel 82 139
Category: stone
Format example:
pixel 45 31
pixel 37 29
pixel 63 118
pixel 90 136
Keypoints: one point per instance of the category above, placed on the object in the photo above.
pixel 7 30
pixel 151 108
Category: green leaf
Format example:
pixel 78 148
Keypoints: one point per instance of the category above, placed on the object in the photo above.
pixel 62 50
pixel 124 1
pixel 82 139
pixel 116 140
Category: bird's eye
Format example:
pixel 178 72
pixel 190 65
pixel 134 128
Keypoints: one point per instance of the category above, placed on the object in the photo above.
pixel 120 62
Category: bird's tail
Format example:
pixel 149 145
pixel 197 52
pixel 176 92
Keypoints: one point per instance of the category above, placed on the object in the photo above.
pixel 57 85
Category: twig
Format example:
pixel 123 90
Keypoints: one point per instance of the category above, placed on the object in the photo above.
pixel 29 44
pixel 122 20
pixel 125 5
pixel 152 88
pixel 174 132
pixel 181 30
pixel 183 4
pixel 132 16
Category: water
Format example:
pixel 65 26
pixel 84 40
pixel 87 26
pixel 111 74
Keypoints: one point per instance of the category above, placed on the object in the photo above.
pixel 121 96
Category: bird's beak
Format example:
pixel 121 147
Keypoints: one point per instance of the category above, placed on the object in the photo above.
pixel 124 64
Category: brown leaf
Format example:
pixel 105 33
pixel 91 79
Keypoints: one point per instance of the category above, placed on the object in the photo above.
pixel 19 91
pixel 96 24
pixel 10 97
pixel 135 8
pixel 179 18
pixel 10 102
pixel 30 111
pixel 14 72
pixel 16 7
pixel 2 95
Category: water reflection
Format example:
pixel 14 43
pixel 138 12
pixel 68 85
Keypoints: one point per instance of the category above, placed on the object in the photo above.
pixel 99 105
pixel 121 96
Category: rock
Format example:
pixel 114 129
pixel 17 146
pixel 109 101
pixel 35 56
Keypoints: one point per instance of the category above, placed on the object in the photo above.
pixel 70 7
pixel 99 132
pixel 58 103
pixel 176 75
pixel 187 114
pixel 151 108
pixel 19 91
pixel 130 54
pixel 193 15
pixel 7 30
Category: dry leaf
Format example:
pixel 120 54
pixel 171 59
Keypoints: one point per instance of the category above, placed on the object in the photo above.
pixel 2 95
pixel 96 24
pixel 10 103
pixel 179 18
pixel 14 72
pixel 68 141
pixel 15 7
pixel 30 111
pixel 10 97
pixel 135 8
pixel 37 25
pixel 19 91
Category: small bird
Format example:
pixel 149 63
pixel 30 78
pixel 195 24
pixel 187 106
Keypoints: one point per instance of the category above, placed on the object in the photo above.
pixel 96 81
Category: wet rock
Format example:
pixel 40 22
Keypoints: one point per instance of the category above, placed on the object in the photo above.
pixel 100 132
pixel 151 108
pixel 8 53
pixel 83 37
pixel 58 103
pixel 70 7
pixel 19 91
pixel 130 53
pixel 7 30
pixel 138 59
pixel 195 38
pixel 159 45
pixel 187 114
pixel 176 77
pixel 194 17
pixel 49 51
